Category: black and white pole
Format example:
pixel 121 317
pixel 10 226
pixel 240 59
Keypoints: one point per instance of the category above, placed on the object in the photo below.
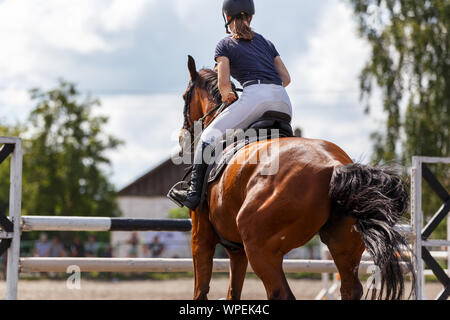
pixel 422 233
pixel 53 223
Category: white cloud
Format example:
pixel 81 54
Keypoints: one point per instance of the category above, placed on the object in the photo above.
pixel 123 14
pixel 33 33
pixel 14 104
pixel 325 90
pixel 334 57
pixel 14 97
pixel 186 10
pixel 149 124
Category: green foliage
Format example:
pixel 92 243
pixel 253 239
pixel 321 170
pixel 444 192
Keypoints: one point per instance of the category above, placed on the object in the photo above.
pixel 179 213
pixel 64 159
pixel 410 63
pixel 65 156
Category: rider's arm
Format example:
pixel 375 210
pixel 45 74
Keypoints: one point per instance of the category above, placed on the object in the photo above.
pixel 223 67
pixel 282 71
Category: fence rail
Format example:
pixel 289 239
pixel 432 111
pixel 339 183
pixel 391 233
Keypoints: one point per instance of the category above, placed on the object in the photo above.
pixel 167 265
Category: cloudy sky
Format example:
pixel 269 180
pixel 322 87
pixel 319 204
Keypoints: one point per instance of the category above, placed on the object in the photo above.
pixel 133 54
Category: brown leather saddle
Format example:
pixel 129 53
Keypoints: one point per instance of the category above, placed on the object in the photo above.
pixel 264 128
pixel 269 123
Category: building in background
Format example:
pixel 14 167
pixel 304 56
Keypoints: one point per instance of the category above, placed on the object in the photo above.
pixel 146 198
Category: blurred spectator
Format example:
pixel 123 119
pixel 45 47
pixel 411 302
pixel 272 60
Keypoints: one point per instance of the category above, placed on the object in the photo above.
pixel 156 247
pixel 42 247
pixel 145 251
pixel 220 253
pixel 108 252
pixel 91 247
pixel 56 248
pixel 77 248
pixel 134 243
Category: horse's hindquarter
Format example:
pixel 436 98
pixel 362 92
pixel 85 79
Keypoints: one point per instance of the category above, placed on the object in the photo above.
pixel 289 204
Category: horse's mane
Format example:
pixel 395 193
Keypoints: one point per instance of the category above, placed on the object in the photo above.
pixel 208 81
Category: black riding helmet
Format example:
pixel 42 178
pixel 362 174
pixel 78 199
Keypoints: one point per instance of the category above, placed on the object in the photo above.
pixel 236 8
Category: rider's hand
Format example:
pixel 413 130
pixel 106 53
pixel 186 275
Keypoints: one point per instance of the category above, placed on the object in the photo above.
pixel 231 98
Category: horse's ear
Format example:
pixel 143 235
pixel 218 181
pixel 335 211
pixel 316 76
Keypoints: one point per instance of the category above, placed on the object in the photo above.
pixel 192 68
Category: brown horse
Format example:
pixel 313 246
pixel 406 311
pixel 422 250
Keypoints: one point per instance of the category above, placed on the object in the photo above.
pixel 318 189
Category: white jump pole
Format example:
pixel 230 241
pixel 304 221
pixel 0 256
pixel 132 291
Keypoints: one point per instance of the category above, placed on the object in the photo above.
pixel 52 223
pixel 325 277
pixel 15 199
pixel 166 265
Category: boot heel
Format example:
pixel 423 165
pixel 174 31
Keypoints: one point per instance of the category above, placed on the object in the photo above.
pixel 172 196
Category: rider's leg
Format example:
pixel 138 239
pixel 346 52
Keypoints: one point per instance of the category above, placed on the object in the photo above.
pixel 203 156
pixel 192 196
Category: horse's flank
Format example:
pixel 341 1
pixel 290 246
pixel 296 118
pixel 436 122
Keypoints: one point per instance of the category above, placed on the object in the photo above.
pixel 307 166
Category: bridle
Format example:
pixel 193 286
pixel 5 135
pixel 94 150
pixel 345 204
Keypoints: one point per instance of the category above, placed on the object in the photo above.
pixel 188 123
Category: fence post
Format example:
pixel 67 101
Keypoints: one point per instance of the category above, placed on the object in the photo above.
pixel 417 222
pixel 15 199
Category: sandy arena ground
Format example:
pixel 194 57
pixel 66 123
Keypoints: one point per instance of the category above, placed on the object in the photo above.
pixel 180 289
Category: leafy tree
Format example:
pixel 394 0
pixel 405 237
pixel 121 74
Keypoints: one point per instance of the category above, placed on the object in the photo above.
pixel 410 63
pixel 65 157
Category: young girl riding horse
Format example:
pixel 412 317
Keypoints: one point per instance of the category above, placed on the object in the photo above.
pixel 256 64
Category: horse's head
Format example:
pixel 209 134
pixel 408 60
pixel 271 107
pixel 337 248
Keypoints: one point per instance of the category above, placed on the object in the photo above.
pixel 202 95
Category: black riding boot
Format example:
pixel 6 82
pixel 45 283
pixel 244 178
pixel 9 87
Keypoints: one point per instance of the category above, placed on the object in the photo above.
pixel 191 196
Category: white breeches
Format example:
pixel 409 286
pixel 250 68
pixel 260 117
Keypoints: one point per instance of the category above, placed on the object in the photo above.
pixel 251 106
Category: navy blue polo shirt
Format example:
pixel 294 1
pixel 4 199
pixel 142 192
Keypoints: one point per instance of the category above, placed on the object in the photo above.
pixel 250 60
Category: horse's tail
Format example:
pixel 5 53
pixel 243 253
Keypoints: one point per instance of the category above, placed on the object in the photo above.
pixel 377 198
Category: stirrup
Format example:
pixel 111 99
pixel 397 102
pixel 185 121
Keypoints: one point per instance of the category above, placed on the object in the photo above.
pixel 185 186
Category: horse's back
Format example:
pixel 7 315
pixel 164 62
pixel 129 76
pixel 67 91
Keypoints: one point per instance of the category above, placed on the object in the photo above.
pixel 279 160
